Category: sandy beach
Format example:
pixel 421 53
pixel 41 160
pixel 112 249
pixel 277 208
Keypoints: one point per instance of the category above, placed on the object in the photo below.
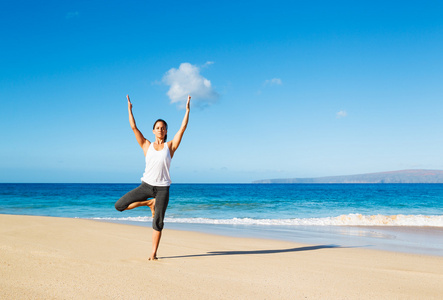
pixel 60 258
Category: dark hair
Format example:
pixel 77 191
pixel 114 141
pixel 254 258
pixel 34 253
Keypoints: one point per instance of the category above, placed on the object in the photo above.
pixel 166 125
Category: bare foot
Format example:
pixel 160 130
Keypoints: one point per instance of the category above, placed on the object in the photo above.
pixel 151 205
pixel 153 258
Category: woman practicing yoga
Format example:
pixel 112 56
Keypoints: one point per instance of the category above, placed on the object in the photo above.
pixel 156 180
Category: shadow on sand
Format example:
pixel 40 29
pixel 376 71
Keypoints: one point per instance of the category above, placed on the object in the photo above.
pixel 276 251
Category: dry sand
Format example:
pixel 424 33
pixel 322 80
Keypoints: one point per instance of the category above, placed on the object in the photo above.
pixel 58 258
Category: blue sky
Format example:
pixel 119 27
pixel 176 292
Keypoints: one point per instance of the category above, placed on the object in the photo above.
pixel 293 88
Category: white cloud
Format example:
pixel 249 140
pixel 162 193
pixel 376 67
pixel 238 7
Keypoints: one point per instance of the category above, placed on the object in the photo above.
pixel 273 81
pixel 208 63
pixel 187 80
pixel 341 114
pixel 270 82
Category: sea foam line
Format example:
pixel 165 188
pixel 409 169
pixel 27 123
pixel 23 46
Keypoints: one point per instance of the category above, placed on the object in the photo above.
pixel 343 220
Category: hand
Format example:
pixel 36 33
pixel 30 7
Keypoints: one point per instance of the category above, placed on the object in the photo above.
pixel 129 102
pixel 188 104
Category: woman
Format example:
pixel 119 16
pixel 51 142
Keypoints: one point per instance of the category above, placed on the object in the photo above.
pixel 156 179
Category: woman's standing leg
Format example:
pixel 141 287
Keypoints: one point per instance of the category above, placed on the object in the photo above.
pixel 161 203
pixel 156 236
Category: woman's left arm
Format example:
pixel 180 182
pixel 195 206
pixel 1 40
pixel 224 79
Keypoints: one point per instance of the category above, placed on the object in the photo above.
pixel 178 136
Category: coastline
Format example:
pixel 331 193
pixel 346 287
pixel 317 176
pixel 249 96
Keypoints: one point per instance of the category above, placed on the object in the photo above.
pixel 49 257
pixel 406 239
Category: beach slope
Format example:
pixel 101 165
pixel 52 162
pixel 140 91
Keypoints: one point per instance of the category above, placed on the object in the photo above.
pixel 58 258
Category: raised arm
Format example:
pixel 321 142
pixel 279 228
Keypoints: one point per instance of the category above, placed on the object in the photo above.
pixel 178 136
pixel 144 143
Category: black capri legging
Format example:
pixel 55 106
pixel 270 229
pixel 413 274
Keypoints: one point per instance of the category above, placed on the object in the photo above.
pixel 144 192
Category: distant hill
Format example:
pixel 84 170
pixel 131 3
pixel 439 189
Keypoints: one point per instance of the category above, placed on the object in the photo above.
pixel 404 176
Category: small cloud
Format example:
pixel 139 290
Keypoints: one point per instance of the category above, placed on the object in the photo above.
pixel 187 80
pixel 273 81
pixel 72 14
pixel 208 63
pixel 341 114
pixel 270 82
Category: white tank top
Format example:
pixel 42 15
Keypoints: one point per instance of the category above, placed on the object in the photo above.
pixel 157 166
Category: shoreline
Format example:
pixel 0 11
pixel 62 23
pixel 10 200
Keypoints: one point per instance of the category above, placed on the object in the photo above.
pixel 405 239
pixel 62 258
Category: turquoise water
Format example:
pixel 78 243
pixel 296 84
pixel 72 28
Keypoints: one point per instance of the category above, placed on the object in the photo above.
pixel 399 217
pixel 246 204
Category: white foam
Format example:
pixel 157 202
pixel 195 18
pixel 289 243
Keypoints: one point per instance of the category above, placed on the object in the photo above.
pixel 343 220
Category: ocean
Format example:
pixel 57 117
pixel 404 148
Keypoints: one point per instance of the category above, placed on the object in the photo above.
pixel 382 216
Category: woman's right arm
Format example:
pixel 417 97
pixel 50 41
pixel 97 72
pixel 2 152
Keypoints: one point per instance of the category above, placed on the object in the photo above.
pixel 144 143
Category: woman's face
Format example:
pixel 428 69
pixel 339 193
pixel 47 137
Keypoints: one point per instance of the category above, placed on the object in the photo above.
pixel 160 130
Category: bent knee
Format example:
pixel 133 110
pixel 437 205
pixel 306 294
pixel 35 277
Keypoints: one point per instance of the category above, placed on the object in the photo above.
pixel 119 207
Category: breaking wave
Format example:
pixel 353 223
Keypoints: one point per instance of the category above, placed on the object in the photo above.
pixel 343 220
